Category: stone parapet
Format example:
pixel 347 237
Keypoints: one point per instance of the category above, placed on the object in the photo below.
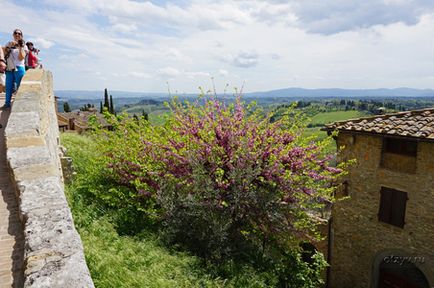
pixel 53 255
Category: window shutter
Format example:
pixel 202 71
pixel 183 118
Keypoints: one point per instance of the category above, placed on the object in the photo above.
pixel 399 202
pixel 385 204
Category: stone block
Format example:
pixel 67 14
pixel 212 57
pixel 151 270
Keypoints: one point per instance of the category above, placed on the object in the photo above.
pixel 26 141
pixel 26 105
pixel 34 75
pixel 23 124
pixel 28 156
pixel 35 172
pixel 48 190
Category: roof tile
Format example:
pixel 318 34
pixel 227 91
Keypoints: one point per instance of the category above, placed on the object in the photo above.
pixel 416 123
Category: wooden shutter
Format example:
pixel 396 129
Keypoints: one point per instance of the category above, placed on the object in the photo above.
pixel 392 206
pixel 399 202
pixel 400 146
pixel 385 204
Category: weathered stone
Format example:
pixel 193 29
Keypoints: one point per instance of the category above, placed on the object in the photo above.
pixel 28 156
pixel 360 240
pixel 23 124
pixel 53 250
pixel 67 169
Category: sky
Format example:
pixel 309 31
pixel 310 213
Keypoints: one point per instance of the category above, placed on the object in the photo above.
pixel 181 45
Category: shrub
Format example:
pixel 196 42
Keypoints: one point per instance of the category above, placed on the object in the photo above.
pixel 224 181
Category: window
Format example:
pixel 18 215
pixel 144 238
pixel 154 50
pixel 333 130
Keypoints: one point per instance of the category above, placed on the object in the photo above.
pixel 392 206
pixel 399 146
pixel 399 155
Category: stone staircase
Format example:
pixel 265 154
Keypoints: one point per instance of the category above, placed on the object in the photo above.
pixel 11 234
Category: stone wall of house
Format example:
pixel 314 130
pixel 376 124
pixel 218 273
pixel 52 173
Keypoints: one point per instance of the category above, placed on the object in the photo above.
pixel 53 255
pixel 359 239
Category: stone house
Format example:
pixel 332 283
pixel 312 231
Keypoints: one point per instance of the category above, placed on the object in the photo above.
pixel 78 120
pixel 382 234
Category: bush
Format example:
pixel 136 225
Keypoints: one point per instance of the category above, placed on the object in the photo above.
pixel 223 181
pixel 132 261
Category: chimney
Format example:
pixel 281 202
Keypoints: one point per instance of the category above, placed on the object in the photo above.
pixel 71 124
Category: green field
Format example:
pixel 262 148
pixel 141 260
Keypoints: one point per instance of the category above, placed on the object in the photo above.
pixel 322 118
pixel 329 117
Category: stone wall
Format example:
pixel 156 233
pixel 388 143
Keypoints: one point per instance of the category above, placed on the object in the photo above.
pixel 359 239
pixel 53 255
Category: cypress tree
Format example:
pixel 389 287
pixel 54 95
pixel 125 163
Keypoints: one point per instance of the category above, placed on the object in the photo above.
pixel 136 118
pixel 106 100
pixel 100 106
pixel 66 107
pixel 112 107
pixel 145 115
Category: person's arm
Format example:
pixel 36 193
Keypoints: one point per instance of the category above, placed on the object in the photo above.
pixel 21 53
pixel 2 60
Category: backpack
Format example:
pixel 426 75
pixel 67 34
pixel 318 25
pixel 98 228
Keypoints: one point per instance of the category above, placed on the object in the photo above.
pixel 10 64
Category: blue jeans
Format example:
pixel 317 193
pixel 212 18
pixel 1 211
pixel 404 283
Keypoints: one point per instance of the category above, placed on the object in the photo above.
pixel 13 78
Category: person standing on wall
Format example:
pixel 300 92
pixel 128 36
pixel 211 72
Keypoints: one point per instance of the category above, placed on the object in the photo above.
pixel 32 60
pixel 15 54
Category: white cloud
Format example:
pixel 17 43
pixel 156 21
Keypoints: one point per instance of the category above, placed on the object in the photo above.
pixel 193 75
pixel 328 17
pixel 244 59
pixel 124 28
pixel 39 43
pixel 139 75
pixel 168 72
pixel 272 44
pixel 223 72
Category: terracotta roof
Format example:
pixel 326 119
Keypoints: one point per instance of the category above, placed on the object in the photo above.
pixel 60 122
pixel 81 118
pixel 416 123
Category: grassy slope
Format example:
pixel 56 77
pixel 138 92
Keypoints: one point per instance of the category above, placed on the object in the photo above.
pixel 328 117
pixel 131 261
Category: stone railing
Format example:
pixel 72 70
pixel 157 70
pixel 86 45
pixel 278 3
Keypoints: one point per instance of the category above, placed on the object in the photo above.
pixel 53 253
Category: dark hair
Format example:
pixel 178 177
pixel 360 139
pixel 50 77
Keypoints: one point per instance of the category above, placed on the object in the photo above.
pixel 18 30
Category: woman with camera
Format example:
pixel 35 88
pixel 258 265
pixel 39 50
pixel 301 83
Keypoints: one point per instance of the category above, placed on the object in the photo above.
pixel 15 53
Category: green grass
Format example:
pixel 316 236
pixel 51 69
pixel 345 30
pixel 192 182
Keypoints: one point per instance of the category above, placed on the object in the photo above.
pixel 315 131
pixel 140 260
pixel 318 120
pixel 329 117
pixel 158 117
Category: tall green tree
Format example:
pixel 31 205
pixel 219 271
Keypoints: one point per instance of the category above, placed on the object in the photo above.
pixel 145 115
pixel 100 107
pixel 66 107
pixel 106 100
pixel 112 107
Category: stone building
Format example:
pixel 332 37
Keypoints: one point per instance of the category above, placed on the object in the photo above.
pixel 78 120
pixel 383 234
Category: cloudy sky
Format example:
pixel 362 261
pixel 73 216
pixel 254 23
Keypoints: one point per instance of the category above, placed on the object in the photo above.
pixel 149 46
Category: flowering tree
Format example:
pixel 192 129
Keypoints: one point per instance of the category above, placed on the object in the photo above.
pixel 222 178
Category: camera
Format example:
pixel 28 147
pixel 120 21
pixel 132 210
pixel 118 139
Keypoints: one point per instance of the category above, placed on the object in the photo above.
pixel 21 43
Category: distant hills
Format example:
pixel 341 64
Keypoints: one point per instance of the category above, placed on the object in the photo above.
pixel 280 93
pixel 336 92
pixel 88 94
